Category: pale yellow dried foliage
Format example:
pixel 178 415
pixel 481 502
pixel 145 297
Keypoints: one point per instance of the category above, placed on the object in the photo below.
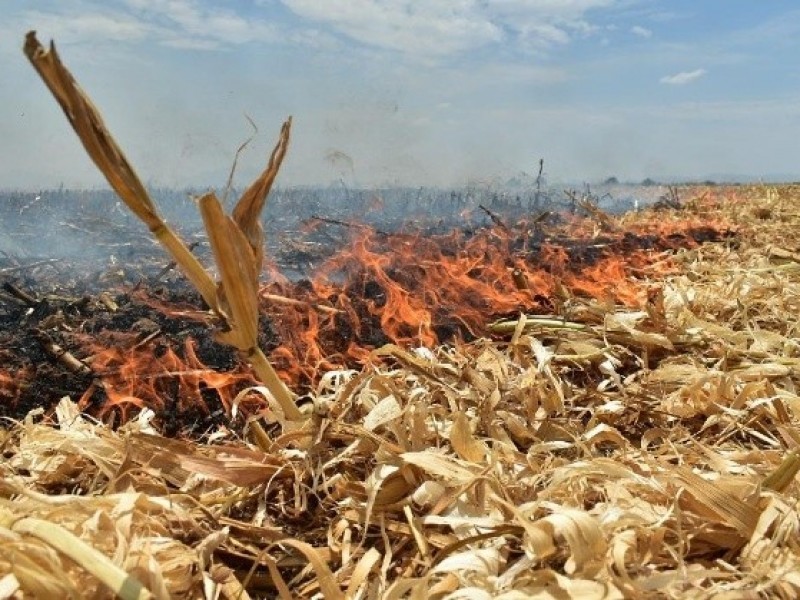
pixel 87 482
pixel 643 454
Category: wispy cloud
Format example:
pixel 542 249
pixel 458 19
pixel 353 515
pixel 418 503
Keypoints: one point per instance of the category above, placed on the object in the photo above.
pixel 429 31
pixel 69 26
pixel 442 28
pixel 185 24
pixel 683 77
pixel 191 24
pixel 641 32
pixel 418 28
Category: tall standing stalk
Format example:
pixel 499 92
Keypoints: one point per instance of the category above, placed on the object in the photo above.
pixel 237 241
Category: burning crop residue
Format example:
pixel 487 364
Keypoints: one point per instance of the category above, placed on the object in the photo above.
pixel 153 348
pixel 412 289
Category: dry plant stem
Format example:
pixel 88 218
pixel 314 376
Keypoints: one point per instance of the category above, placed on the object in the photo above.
pixel 236 260
pixel 121 583
pixel 259 436
pixel 32 265
pixel 505 327
pixel 172 264
pixel 781 477
pixel 190 266
pixel 301 303
pixel 248 209
pixel 494 217
pixel 109 158
pixel 65 357
pixel 20 295
pixel 267 374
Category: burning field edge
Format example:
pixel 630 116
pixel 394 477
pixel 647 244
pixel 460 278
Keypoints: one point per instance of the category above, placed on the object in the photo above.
pixel 629 451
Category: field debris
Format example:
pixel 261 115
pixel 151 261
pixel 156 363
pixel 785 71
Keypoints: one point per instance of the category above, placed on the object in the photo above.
pixel 650 452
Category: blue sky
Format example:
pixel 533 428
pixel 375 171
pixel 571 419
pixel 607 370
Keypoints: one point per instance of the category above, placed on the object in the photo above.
pixel 415 93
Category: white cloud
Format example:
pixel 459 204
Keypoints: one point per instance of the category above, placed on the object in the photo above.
pixel 432 28
pixel 683 77
pixel 426 30
pixel 641 32
pixel 438 28
pixel 543 34
pixel 189 24
pixel 70 27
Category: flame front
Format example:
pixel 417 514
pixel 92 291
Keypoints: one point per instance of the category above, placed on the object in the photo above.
pixel 409 289
pixel 130 377
pixel 424 290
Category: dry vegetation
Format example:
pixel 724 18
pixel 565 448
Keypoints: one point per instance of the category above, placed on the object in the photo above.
pixel 604 452
pixel 647 453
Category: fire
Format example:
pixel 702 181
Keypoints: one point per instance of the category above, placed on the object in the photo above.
pixel 609 279
pixel 405 288
pixel 154 375
pixel 412 289
pixel 9 386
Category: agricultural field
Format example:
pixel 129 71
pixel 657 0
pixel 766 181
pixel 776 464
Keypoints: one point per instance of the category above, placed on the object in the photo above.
pixel 635 443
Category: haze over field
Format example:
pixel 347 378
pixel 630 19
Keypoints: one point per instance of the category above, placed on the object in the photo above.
pixel 411 93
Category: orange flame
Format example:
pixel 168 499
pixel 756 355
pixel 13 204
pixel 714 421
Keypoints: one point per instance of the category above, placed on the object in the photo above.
pixel 409 289
pixel 157 377
pixel 412 289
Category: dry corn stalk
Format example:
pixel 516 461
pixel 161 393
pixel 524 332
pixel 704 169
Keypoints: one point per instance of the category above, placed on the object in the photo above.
pixel 107 155
pixel 115 578
pixel 247 211
pixel 237 242
pixel 238 293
